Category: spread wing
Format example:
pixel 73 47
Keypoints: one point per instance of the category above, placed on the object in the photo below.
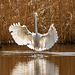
pixel 21 34
pixel 49 39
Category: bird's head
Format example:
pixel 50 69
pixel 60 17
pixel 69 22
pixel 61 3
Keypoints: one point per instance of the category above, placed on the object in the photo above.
pixel 36 13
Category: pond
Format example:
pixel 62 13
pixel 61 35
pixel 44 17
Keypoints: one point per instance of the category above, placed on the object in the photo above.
pixel 19 60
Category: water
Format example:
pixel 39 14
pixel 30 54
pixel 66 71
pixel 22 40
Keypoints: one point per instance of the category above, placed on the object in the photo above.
pixel 18 60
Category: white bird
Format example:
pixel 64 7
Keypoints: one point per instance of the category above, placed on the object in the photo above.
pixel 35 41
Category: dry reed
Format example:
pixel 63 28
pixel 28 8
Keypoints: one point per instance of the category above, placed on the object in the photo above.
pixel 59 12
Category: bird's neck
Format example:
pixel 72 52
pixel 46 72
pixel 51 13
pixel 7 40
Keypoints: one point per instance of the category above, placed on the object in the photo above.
pixel 36 24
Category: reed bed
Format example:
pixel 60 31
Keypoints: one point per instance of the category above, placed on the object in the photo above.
pixel 59 12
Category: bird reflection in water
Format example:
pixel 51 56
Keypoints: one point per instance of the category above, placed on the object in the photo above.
pixel 38 66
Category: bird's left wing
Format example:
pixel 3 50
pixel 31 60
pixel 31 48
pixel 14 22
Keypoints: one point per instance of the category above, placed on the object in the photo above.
pixel 49 39
pixel 21 34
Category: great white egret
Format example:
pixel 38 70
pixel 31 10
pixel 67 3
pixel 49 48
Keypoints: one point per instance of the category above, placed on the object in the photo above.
pixel 35 41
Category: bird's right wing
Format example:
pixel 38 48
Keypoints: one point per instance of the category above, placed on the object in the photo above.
pixel 49 39
pixel 21 34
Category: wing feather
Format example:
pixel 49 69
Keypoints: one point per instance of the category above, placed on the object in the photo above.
pixel 21 34
pixel 49 39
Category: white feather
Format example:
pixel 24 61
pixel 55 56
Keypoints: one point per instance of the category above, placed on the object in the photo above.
pixel 49 39
pixel 23 36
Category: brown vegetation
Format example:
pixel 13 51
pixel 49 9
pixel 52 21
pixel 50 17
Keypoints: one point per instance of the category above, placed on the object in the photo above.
pixel 59 12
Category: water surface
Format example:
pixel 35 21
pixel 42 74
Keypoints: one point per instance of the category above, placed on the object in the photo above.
pixel 19 60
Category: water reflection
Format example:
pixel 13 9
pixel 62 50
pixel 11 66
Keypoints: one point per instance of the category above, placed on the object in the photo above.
pixel 16 60
pixel 37 66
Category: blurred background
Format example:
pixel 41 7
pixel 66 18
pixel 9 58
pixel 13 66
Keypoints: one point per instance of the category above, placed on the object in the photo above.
pixel 59 12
